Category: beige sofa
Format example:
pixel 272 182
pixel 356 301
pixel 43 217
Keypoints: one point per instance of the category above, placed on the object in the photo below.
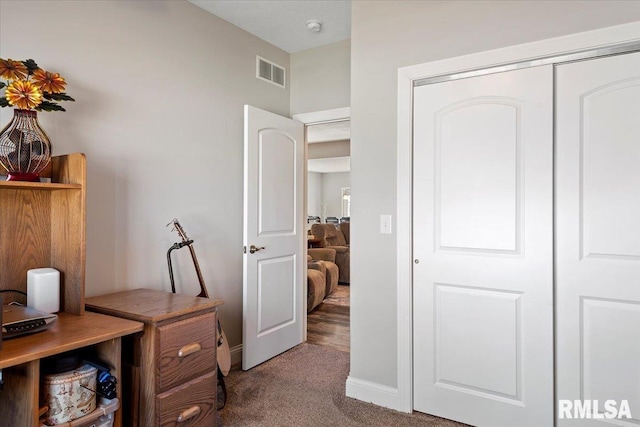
pixel 316 283
pixel 328 256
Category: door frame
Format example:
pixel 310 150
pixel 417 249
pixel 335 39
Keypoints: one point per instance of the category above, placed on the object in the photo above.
pixel 313 118
pixel 324 116
pixel 407 76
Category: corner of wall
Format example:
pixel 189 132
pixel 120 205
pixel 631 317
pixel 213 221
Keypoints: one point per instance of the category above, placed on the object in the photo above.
pixel 378 394
pixel 236 354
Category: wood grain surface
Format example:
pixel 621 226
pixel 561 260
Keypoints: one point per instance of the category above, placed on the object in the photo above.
pixel 70 332
pixel 20 358
pixel 329 325
pixel 68 229
pixel 43 225
pixel 173 369
pixel 200 392
pixel 150 305
pixel 19 403
pixel 25 235
pixel 171 321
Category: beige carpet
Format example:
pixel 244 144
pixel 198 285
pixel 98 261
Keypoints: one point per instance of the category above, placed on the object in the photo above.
pixel 306 387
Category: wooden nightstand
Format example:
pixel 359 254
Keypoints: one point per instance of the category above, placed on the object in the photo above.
pixel 172 364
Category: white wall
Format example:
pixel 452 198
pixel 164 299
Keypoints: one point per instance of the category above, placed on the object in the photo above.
pixel 387 35
pixel 332 185
pixel 321 78
pixel 323 150
pixel 314 194
pixel 326 188
pixel 159 89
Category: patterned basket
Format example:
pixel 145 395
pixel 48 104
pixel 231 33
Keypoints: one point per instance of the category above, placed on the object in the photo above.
pixel 69 395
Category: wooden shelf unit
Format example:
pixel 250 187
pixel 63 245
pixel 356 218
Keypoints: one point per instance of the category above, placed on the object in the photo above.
pixel 20 359
pixel 43 225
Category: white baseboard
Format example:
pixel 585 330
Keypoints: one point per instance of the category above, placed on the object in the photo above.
pixel 375 393
pixel 236 354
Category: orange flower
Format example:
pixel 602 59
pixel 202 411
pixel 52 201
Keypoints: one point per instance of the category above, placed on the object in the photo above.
pixel 12 70
pixel 49 82
pixel 23 94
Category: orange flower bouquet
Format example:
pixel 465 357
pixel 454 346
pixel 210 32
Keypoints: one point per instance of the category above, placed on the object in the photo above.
pixel 29 87
pixel 25 148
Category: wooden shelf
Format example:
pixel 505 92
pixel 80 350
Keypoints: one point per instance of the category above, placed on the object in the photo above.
pixel 69 332
pixel 19 185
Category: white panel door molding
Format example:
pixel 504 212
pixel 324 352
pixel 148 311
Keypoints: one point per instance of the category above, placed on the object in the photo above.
pixel 598 235
pixel 487 221
pixel 274 280
pixel 483 280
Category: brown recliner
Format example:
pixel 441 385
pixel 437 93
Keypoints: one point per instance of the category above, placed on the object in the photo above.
pixel 328 256
pixel 344 227
pixel 332 238
pixel 316 283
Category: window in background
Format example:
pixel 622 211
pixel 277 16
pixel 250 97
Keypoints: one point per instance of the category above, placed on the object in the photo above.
pixel 346 201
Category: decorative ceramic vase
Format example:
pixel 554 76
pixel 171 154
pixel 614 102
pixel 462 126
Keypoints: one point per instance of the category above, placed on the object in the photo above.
pixel 25 149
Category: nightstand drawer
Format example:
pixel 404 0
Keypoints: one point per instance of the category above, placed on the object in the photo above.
pixel 186 350
pixel 189 405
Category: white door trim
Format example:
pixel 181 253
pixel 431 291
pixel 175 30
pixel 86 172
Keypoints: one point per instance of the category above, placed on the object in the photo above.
pixel 604 37
pixel 324 116
pixel 315 117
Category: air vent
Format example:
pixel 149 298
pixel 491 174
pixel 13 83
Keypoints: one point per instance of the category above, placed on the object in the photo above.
pixel 270 72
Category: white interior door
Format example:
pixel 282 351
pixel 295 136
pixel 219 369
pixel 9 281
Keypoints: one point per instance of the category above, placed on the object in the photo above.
pixel 274 279
pixel 598 236
pixel 483 279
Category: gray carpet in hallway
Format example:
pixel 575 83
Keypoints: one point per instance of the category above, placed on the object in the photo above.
pixel 306 387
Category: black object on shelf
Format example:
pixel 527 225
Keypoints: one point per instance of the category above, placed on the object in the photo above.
pixel 106 383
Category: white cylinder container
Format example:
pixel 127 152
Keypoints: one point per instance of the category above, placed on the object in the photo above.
pixel 43 289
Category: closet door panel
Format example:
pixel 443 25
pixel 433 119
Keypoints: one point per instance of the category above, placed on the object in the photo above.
pixel 469 173
pixel 610 173
pixel 483 306
pixel 598 235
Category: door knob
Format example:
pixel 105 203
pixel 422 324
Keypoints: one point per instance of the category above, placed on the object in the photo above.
pixel 253 249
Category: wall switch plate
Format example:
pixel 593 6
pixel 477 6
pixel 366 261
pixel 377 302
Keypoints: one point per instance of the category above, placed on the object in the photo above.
pixel 385 224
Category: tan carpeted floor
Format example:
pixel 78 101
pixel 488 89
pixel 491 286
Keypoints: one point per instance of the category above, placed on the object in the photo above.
pixel 306 387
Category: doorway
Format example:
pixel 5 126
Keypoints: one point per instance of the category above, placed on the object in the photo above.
pixel 328 211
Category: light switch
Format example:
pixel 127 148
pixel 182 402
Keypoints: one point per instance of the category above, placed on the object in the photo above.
pixel 385 224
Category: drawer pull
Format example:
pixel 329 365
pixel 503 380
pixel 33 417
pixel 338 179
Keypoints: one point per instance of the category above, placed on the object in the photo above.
pixel 189 413
pixel 189 349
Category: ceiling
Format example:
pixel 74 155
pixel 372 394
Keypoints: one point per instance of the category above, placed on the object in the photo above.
pixel 283 23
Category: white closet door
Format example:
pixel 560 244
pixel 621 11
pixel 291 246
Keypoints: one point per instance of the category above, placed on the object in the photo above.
pixel 598 235
pixel 483 307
